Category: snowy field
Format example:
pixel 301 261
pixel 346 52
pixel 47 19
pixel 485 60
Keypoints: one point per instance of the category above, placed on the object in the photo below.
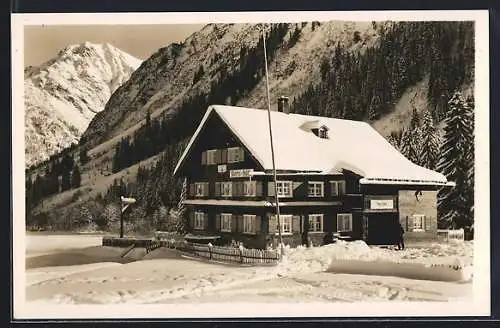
pixel 75 269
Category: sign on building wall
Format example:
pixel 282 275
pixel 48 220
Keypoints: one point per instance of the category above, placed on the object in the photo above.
pixel 381 204
pixel 222 168
pixel 243 173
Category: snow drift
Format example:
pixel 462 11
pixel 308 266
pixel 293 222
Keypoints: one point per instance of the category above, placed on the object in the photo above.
pixel 439 262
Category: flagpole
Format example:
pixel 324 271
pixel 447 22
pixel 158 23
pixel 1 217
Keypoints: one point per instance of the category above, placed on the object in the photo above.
pixel 272 147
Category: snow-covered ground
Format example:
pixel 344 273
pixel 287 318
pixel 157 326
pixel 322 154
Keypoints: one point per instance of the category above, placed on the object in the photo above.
pixel 305 275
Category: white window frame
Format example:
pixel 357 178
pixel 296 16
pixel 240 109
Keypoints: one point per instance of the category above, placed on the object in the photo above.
pixel 199 186
pixel 249 223
pixel 313 223
pixel 285 222
pixel 336 188
pixel 418 218
pixel 211 156
pixel 226 222
pixel 249 185
pixel 232 154
pixel 314 185
pixel 343 216
pixel 223 190
pixel 199 221
pixel 281 188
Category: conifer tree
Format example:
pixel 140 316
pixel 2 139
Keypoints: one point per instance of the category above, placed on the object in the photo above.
pixel 76 177
pixel 429 151
pixel 455 162
pixel 411 144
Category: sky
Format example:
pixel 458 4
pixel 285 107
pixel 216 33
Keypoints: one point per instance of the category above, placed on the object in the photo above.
pixel 42 43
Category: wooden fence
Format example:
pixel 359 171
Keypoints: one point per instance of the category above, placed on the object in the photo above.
pixel 226 254
pixel 447 235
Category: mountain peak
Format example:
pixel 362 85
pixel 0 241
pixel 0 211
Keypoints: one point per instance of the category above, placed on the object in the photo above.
pixel 67 91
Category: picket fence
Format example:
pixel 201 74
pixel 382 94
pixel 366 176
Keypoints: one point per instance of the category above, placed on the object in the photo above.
pixel 220 253
pixel 448 235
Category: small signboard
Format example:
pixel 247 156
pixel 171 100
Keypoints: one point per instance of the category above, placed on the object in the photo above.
pixel 381 204
pixel 222 168
pixel 243 173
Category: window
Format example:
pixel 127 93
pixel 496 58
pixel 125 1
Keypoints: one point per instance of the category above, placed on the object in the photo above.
pixel 418 222
pixel 286 224
pixel 199 220
pixel 338 188
pixel 235 155
pixel 225 222
pixel 248 223
pixel 211 156
pixel 344 222
pixel 315 222
pixel 315 189
pixel 249 188
pixel 201 189
pixel 284 188
pixel 226 189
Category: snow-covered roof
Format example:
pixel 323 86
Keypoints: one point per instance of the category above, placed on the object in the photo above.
pixel 351 145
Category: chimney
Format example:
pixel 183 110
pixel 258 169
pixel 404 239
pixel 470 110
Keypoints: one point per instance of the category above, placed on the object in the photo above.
pixel 283 106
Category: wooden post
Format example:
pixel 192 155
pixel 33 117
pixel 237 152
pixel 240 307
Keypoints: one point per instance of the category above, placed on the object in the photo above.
pixel 121 221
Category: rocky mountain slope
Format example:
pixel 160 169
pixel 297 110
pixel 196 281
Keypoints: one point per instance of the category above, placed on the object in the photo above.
pixel 63 95
pixel 167 77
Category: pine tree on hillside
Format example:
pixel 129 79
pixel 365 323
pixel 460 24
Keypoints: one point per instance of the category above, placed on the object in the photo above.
pixel 66 181
pixel 76 177
pixel 411 144
pixel 429 152
pixel 455 163
pixel 415 119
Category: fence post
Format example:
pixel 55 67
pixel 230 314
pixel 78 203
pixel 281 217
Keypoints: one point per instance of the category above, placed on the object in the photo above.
pixel 241 253
pixel 209 251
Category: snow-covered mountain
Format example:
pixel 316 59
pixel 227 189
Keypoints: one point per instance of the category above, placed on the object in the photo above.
pixel 63 95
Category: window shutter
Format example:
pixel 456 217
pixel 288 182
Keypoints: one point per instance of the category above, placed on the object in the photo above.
pixel 258 188
pixel 409 223
pixel 204 158
pixel 333 189
pixel 217 189
pixel 240 222
pixel 241 154
pixel 270 189
pixel 217 222
pixel 234 223
pixel 218 156
pixel 302 223
pixel 224 155
pixel 427 223
pixel 191 189
pixel 191 219
pixel 205 221
pixel 341 185
pixel 272 224
pixel 295 223
pixel 239 188
pixel 205 189
pixel 257 221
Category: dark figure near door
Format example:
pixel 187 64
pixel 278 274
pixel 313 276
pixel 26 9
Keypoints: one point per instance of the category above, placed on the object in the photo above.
pixel 401 242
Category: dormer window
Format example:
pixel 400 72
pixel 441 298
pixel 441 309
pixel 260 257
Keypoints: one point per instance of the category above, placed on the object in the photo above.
pixel 323 132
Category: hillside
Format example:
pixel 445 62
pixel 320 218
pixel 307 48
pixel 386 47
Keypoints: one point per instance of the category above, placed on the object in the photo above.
pixel 217 50
pixel 63 95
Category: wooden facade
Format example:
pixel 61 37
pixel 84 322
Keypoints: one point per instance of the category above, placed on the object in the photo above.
pixel 231 198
